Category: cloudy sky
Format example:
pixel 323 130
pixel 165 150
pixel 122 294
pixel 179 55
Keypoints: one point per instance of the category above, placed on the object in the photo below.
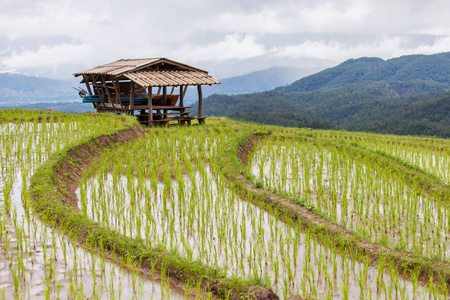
pixel 55 38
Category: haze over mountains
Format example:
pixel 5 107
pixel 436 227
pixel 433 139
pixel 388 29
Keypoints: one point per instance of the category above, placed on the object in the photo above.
pixel 404 95
pixel 22 89
pixel 259 81
pixel 356 95
pixel 253 82
pixel 26 91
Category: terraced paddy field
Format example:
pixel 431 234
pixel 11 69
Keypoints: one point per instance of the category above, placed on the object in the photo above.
pixel 96 206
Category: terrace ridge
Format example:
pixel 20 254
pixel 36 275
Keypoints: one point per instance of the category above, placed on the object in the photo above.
pixel 342 237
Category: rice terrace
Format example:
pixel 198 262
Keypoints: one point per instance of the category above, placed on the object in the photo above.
pixel 232 150
pixel 97 206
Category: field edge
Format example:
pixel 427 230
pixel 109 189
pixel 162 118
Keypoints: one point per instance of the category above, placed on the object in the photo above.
pixel 233 166
pixel 53 198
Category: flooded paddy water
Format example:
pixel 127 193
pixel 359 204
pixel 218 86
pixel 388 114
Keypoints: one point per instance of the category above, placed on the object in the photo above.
pixel 38 262
pixel 355 191
pixel 169 196
pixel 430 155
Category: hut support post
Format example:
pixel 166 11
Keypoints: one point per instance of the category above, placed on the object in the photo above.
pixel 88 87
pixel 94 85
pixel 182 93
pixel 165 100
pixel 182 110
pixel 150 106
pixel 98 89
pixel 106 88
pixel 132 97
pixel 117 89
pixel 200 100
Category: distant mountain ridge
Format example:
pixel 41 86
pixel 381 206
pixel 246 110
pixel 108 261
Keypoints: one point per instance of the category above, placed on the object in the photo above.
pixel 427 70
pixel 17 88
pixel 258 81
pixel 25 89
pixel 359 94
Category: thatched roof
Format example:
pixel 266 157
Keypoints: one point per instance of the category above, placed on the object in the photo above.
pixel 171 78
pixel 151 72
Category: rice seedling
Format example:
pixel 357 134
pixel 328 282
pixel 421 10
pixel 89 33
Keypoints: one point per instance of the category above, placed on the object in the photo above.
pixel 356 191
pixel 167 190
pixel 430 155
pixel 40 259
pixel 178 202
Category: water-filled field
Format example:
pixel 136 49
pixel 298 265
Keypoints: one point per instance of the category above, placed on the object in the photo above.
pixel 225 210
pixel 38 261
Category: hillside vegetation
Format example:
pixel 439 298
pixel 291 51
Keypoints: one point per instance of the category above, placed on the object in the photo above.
pixel 408 74
pixel 408 93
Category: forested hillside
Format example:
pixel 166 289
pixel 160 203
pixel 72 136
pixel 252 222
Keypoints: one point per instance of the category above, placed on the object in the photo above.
pixel 405 95
pixel 419 73
pixel 427 117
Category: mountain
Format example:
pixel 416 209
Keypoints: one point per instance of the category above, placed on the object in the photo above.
pixel 19 89
pixel 411 69
pixel 359 94
pixel 257 81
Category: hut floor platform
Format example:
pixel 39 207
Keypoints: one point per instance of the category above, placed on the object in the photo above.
pixel 161 114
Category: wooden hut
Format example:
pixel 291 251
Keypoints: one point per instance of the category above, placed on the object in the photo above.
pixel 151 88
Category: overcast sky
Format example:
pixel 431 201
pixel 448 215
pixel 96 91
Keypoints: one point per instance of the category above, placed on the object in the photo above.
pixel 55 38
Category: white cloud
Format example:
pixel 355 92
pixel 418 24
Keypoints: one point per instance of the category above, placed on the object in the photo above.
pixel 386 48
pixel 43 35
pixel 46 56
pixel 441 44
pixel 232 46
